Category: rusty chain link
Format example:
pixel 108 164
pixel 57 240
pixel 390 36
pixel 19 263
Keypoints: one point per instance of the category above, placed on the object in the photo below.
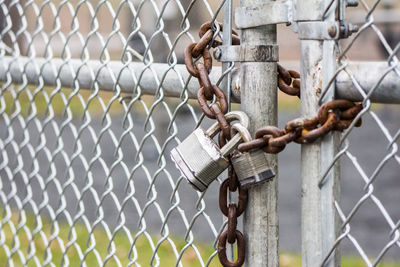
pixel 335 115
pixel 288 81
pixel 217 110
pixel 232 211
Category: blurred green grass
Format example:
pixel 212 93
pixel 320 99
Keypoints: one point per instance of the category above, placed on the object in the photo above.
pixel 27 99
pixel 97 103
pixel 32 100
pixel 70 241
pixel 76 242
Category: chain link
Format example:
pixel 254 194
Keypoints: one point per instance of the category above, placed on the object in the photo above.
pixel 217 110
pixel 288 81
pixel 335 115
pixel 232 211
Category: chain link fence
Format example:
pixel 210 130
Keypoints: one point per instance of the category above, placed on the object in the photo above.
pixel 372 173
pixel 86 130
pixel 94 96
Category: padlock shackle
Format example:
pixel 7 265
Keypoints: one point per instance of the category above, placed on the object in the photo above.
pixel 243 131
pixel 231 145
pixel 231 116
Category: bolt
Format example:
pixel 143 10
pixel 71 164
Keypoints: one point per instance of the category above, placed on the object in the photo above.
pixel 332 31
pixel 352 3
pixel 217 53
pixel 353 28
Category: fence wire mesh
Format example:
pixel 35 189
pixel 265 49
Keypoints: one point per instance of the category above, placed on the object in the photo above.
pixel 86 128
pixel 85 173
pixel 373 171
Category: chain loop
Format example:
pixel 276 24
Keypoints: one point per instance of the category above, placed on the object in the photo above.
pixel 202 44
pixel 223 199
pixel 204 81
pixel 232 223
pixel 288 81
pixel 188 58
pixel 202 100
pixel 223 124
pixel 206 27
pixel 233 180
pixel 241 249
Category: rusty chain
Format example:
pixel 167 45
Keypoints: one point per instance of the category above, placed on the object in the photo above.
pixel 217 110
pixel 335 115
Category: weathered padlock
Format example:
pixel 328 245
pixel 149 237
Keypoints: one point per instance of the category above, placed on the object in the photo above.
pixel 251 167
pixel 198 157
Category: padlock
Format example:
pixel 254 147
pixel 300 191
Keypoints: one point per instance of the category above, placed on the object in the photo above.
pixel 199 158
pixel 251 167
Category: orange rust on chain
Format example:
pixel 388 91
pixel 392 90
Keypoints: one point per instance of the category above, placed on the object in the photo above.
pixel 223 199
pixel 351 112
pixel 232 223
pixel 305 123
pixel 287 89
pixel 233 183
pixel 201 99
pixel 288 81
pixel 187 56
pixel 189 60
pixel 232 211
pixel 241 249
pixel 340 104
pixel 202 44
pixel 204 81
pixel 255 143
pixel 284 139
pixel 301 130
pixel 310 136
pixel 296 85
pixel 284 74
pixel 294 74
pixel 274 132
pixel 223 124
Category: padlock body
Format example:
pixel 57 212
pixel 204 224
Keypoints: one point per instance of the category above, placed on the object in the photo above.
pixel 199 159
pixel 252 168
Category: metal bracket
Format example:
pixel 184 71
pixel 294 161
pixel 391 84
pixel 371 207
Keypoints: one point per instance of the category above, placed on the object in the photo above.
pixel 308 29
pixel 247 53
pixel 325 30
pixel 265 14
pixel 318 30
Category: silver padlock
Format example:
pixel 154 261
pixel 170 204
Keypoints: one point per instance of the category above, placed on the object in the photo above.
pixel 199 158
pixel 251 167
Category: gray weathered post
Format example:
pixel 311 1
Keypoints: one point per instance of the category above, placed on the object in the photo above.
pixel 318 64
pixel 259 101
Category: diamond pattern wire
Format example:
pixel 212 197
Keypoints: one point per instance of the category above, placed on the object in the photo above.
pixel 370 177
pixel 85 173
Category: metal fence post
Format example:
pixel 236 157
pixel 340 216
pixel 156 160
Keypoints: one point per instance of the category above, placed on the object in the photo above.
pixel 318 64
pixel 259 101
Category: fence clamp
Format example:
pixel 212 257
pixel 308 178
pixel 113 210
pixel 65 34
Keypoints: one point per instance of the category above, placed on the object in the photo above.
pixel 264 14
pixel 325 30
pixel 247 53
pixel 277 12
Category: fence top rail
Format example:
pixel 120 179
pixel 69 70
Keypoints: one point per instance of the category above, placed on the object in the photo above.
pixel 385 84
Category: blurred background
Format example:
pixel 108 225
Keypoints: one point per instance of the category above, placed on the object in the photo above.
pixel 79 166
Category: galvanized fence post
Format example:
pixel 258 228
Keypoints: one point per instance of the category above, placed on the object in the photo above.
pixel 318 64
pixel 259 101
